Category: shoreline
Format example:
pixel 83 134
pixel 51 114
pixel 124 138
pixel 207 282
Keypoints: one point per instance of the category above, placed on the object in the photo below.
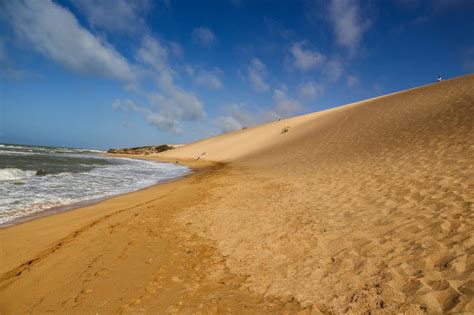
pixel 129 241
pixel 86 203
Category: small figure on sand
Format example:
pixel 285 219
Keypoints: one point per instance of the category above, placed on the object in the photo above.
pixel 439 79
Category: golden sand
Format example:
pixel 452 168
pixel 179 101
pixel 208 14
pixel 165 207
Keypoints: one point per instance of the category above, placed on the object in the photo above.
pixel 366 207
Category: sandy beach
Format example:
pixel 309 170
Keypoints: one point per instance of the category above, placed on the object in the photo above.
pixel 365 208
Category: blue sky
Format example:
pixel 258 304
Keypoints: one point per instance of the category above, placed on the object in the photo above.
pixel 100 74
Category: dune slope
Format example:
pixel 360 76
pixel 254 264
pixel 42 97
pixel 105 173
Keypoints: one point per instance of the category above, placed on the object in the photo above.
pixel 364 207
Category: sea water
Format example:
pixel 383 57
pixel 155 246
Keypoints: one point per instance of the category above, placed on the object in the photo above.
pixel 35 178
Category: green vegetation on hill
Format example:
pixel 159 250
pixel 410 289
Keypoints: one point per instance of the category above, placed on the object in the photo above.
pixel 142 150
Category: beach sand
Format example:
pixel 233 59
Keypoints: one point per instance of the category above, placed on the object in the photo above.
pixel 363 208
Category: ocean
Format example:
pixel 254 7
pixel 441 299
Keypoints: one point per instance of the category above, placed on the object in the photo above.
pixel 37 178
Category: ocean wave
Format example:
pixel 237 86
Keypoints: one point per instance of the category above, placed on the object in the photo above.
pixel 74 150
pixel 11 146
pixel 7 174
pixel 3 152
pixel 28 191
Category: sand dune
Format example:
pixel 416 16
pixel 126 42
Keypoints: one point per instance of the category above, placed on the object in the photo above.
pixel 368 206
pixel 363 208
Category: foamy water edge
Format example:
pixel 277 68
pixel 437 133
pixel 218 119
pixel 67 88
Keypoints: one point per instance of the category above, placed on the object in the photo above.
pixel 163 172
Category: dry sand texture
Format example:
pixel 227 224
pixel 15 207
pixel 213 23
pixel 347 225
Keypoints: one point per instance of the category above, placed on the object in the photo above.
pixel 363 208
pixel 367 207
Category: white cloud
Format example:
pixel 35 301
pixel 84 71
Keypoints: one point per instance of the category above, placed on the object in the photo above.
pixel 203 36
pixel 170 98
pixel 153 53
pixel 284 105
pixel 304 58
pixel 176 49
pixel 332 70
pixel 310 90
pixel 352 81
pixel 347 22
pixel 227 124
pixel 163 122
pixel 126 105
pixel 177 103
pixel 241 115
pixel 237 116
pixel 123 16
pixel 168 103
pixel 117 104
pixel 210 79
pixel 153 118
pixel 256 72
pixel 54 32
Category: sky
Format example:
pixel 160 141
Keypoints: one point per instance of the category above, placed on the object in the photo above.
pixel 104 74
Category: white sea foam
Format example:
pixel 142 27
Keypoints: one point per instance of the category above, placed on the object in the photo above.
pixel 10 146
pixel 8 174
pixel 24 193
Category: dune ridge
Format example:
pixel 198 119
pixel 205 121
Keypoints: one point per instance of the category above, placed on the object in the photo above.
pixel 365 208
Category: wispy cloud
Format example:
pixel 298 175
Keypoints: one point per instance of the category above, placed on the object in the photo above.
pixel 163 122
pixel 332 70
pixel 206 78
pixel 304 58
pixel 153 53
pixel 121 16
pixel 227 124
pixel 238 116
pixel 352 81
pixel 310 90
pixel 256 72
pixel 348 24
pixel 284 105
pixel 203 36
pixel 169 103
pixel 307 59
pixel 55 33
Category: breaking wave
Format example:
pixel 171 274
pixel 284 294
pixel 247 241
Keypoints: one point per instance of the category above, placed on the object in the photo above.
pixel 15 174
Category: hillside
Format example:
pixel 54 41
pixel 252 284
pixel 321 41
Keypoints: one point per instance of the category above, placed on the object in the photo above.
pixel 368 206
